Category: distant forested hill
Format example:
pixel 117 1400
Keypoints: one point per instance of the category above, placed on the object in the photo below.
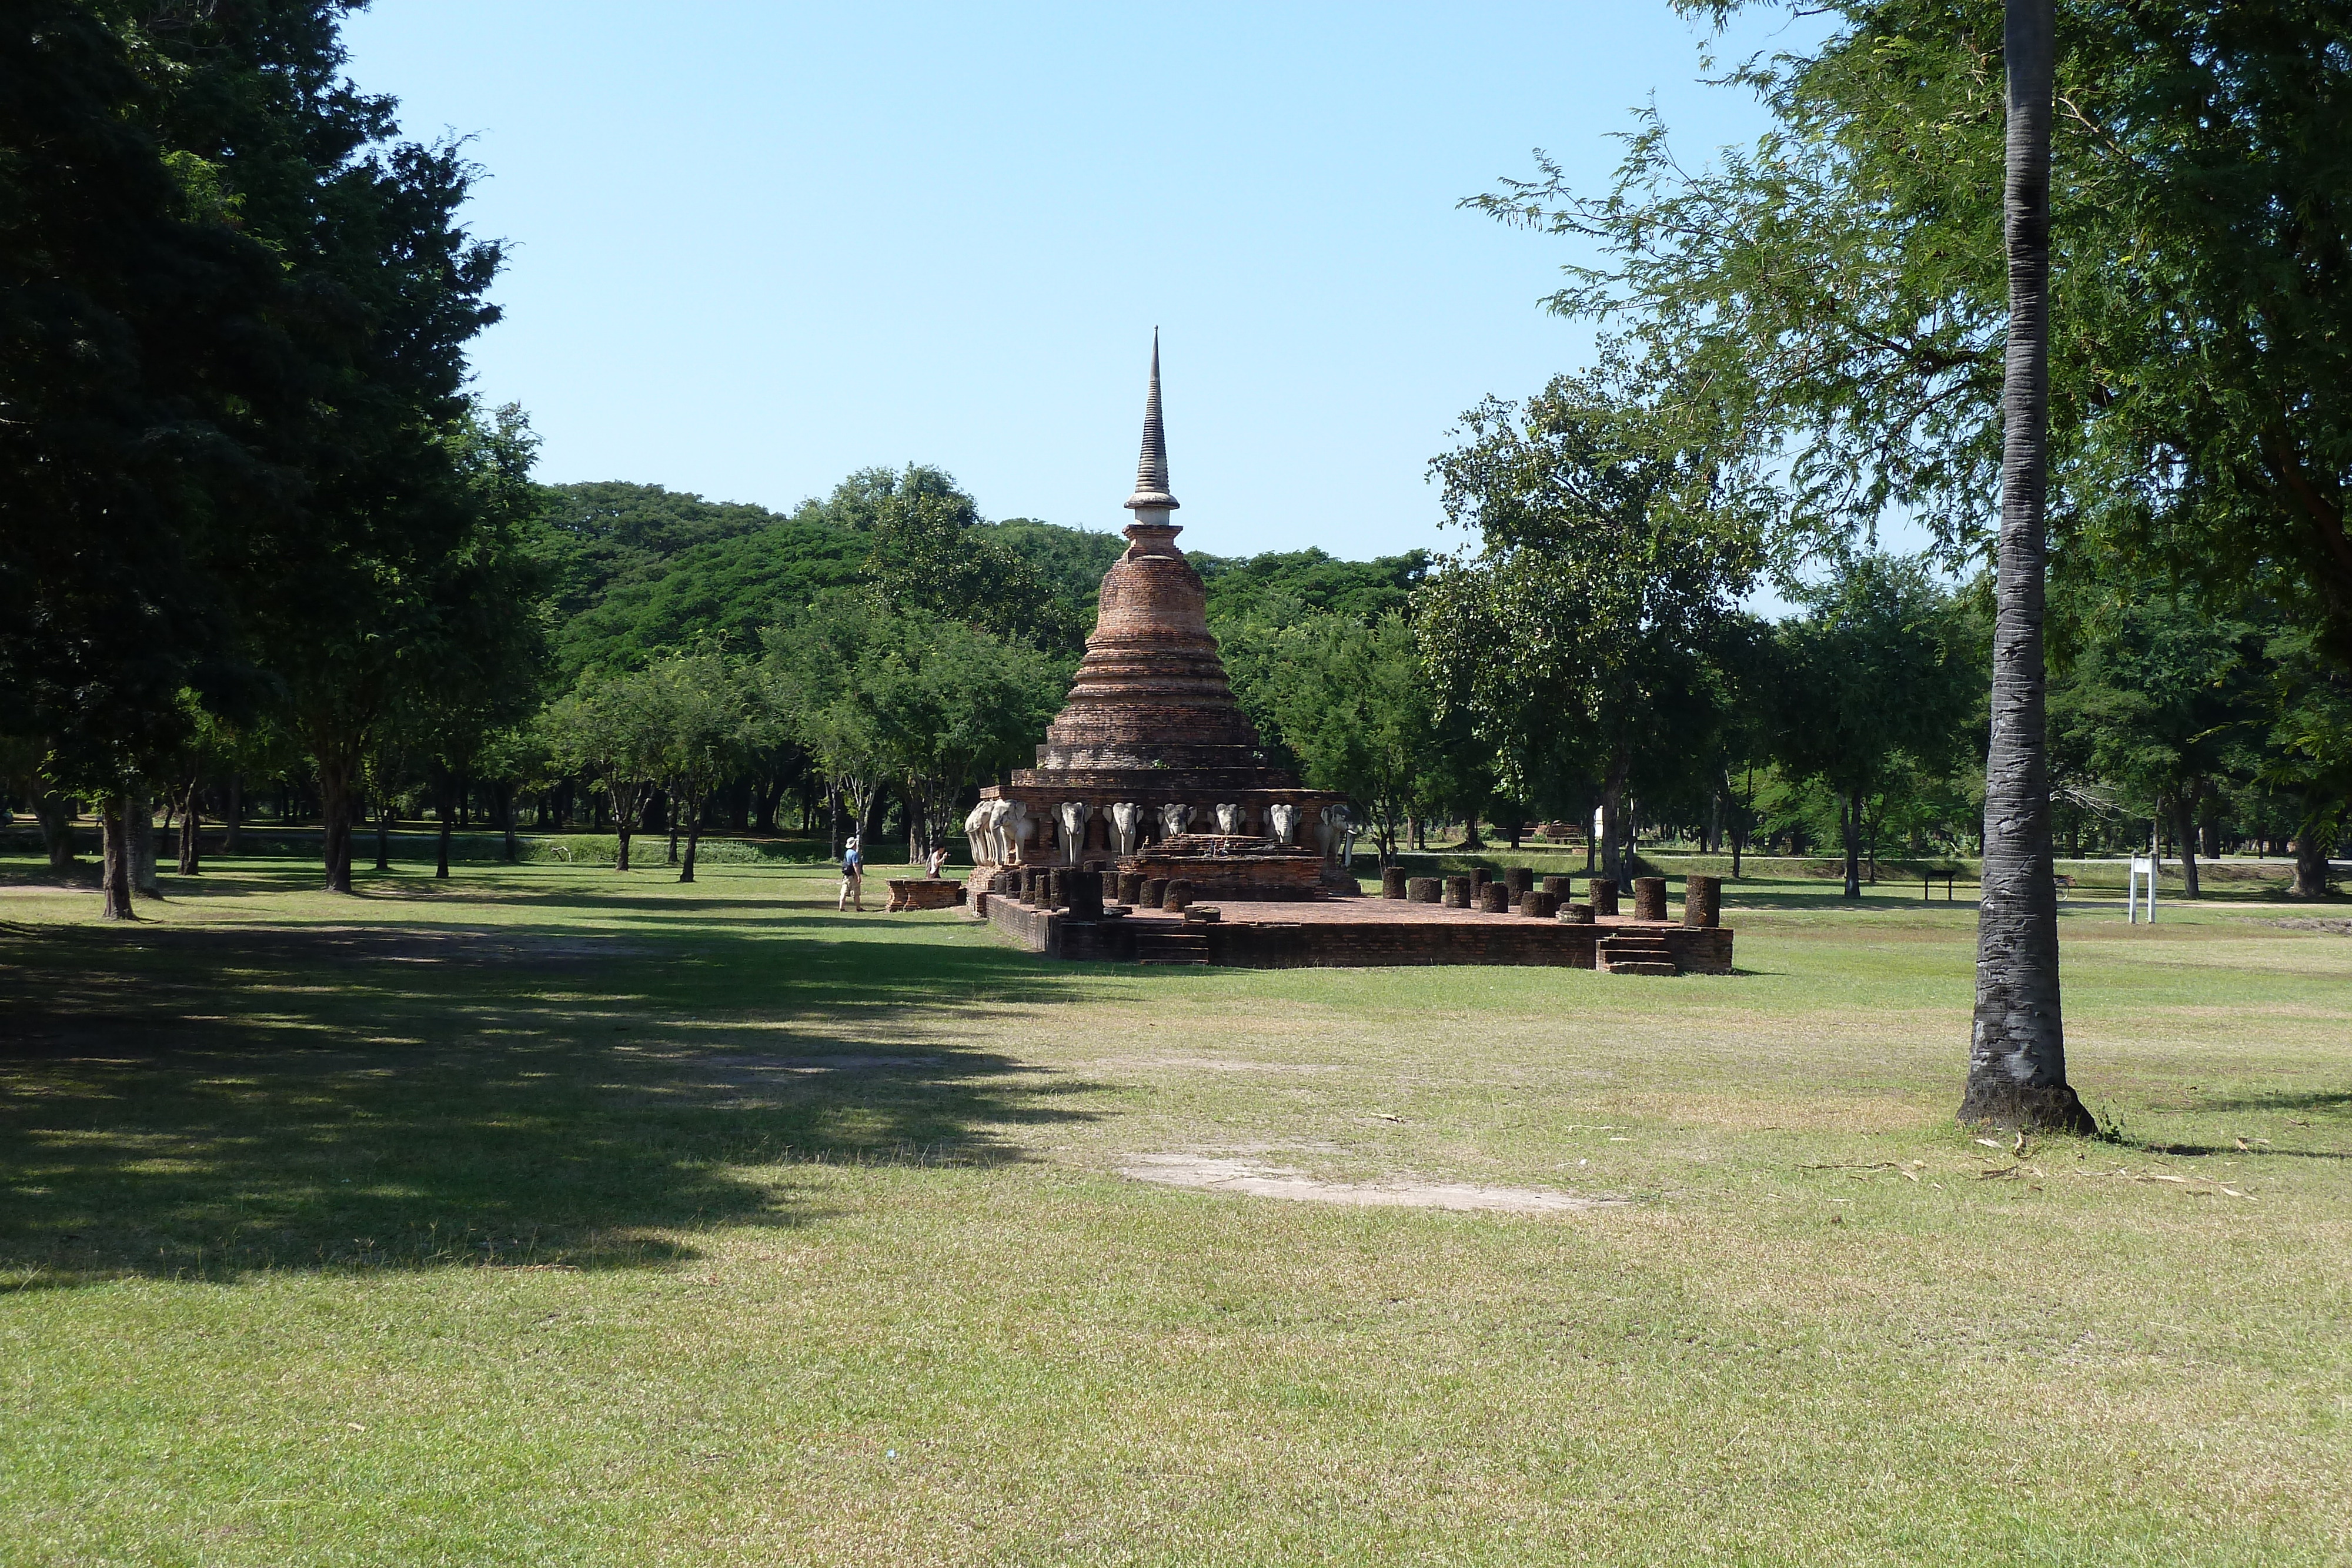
pixel 641 570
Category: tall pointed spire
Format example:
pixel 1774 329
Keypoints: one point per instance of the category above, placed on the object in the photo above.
pixel 1152 469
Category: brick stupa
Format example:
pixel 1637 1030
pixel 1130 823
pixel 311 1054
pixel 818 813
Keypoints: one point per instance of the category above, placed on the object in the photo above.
pixel 1152 765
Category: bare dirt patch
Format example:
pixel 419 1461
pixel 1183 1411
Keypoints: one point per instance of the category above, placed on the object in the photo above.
pixel 1206 1173
pixel 1213 1064
pixel 2338 928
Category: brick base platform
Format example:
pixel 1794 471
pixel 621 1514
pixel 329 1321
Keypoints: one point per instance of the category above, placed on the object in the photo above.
pixel 1358 933
pixel 923 892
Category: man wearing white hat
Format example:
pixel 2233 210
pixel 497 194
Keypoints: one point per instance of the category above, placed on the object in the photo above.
pixel 852 877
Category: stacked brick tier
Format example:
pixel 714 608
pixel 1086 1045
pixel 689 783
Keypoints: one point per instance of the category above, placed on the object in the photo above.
pixel 1151 718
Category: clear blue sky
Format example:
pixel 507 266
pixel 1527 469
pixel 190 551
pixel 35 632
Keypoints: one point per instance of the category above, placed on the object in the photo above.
pixel 758 245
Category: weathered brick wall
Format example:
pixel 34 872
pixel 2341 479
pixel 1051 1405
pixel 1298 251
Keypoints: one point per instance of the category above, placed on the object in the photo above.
pixel 1360 944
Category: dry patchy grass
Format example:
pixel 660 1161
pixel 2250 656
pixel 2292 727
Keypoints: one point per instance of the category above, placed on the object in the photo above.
pixel 552 1217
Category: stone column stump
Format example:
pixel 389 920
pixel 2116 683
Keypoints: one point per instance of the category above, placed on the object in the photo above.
pixel 1479 877
pixel 1703 901
pixel 1083 892
pixel 1576 913
pixel 1177 895
pixel 1602 891
pixel 1424 889
pixel 1130 887
pixel 1494 898
pixel 1558 887
pixel 1457 892
pixel 1649 898
pixel 1393 880
pixel 1538 904
pixel 1154 889
pixel 1520 879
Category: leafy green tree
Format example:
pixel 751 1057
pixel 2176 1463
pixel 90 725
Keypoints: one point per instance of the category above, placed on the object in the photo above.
pixel 611 731
pixel 930 554
pixel 2167 699
pixel 1875 675
pixel 929 702
pixel 953 706
pixel 1835 293
pixel 1575 638
pixel 476 649
pixel 1355 703
pixel 2309 750
pixel 705 724
pixel 342 562
pixel 1278 587
pixel 809 679
pixel 147 347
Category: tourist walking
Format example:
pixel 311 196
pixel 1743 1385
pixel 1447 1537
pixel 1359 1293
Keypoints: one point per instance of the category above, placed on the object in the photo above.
pixel 852 877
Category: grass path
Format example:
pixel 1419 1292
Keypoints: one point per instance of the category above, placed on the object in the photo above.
pixel 550 1217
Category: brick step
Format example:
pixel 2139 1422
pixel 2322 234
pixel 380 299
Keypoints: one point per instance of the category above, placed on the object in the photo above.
pixel 1187 948
pixel 1636 955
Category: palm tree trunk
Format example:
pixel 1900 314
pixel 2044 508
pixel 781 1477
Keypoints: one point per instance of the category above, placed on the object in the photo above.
pixel 2017 1058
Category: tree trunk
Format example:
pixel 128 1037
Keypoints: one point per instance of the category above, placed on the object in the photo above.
pixel 1470 839
pixel 384 835
pixel 1519 827
pixel 693 842
pixel 512 848
pixel 140 823
pixel 1850 829
pixel 55 814
pixel 2311 867
pixel 2312 844
pixel 114 854
pixel 1612 805
pixel 441 838
pixel 191 831
pixel 2017 1057
pixel 338 773
pixel 869 822
pixel 2185 815
pixel 233 819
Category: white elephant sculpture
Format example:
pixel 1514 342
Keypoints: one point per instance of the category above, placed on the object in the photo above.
pixel 1075 815
pixel 1284 820
pixel 976 833
pixel 1229 820
pixel 1127 824
pixel 1329 830
pixel 1019 828
pixel 1174 819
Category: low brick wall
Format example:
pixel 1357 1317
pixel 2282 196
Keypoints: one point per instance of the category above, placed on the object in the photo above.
pixel 1340 936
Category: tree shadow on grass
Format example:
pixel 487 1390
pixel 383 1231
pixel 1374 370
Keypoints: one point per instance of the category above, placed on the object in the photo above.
pixel 2298 1100
pixel 195 1102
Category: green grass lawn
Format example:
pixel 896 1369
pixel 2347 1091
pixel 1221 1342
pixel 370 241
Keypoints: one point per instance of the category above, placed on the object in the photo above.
pixel 547 1216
